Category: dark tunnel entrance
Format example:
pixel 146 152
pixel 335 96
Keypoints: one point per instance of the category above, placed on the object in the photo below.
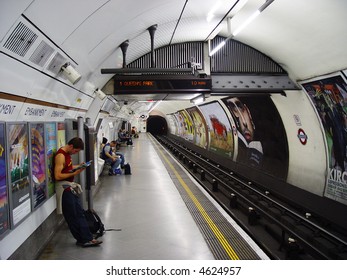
pixel 157 125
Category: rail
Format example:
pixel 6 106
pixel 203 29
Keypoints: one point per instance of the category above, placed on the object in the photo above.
pixel 299 236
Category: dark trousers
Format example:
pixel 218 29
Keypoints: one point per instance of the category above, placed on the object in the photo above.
pixel 74 216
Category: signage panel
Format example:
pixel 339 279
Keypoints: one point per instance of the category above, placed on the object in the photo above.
pixel 155 84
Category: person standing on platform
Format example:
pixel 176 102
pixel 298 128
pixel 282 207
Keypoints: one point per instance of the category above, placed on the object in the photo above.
pixel 68 200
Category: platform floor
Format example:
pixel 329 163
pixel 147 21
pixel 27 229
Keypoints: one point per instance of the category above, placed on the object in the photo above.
pixel 154 220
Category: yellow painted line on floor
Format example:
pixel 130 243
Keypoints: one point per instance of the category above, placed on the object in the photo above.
pixel 222 240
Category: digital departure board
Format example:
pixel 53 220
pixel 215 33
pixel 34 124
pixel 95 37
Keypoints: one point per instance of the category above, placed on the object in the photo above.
pixel 160 84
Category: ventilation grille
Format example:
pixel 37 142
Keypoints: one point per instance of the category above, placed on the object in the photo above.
pixel 20 40
pixel 56 63
pixel 173 56
pixel 41 54
pixel 236 57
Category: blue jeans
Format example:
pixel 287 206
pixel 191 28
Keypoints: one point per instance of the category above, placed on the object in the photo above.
pixel 121 158
pixel 114 164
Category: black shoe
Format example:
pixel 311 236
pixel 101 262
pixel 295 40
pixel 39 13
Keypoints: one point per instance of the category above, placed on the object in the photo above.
pixel 110 173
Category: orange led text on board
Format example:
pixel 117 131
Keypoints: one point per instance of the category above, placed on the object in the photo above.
pixel 199 83
pixel 137 83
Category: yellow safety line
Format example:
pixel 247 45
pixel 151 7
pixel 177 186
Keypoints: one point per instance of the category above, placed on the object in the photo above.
pixel 222 240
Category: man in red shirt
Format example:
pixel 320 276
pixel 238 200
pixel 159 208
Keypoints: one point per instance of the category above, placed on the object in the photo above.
pixel 68 193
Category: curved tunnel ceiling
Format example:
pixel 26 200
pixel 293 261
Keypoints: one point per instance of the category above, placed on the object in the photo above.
pixel 304 37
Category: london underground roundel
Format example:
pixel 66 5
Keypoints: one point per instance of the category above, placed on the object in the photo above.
pixel 302 136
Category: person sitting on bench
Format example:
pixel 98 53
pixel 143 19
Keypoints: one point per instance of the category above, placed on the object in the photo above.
pixel 124 138
pixel 111 159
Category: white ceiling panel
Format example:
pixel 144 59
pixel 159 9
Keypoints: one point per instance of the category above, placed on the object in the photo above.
pixel 306 37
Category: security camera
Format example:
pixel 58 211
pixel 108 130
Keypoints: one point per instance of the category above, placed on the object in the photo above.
pixel 100 94
pixel 70 73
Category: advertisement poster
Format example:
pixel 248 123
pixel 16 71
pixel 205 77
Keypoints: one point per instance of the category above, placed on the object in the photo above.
pixel 18 163
pixel 187 125
pixel 61 137
pixel 38 163
pixel 51 149
pixel 200 127
pixel 180 125
pixel 4 212
pixel 261 137
pixel 172 124
pixel 219 128
pixel 329 96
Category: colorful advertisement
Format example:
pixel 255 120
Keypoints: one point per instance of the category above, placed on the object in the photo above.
pixel 187 125
pixel 261 137
pixel 4 211
pixel 180 125
pixel 61 137
pixel 219 128
pixel 329 96
pixel 51 149
pixel 18 163
pixel 200 127
pixel 38 163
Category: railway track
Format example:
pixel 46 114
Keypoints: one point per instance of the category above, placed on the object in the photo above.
pixel 280 228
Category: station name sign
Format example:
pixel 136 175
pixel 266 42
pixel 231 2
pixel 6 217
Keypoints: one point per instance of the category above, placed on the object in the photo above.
pixel 155 84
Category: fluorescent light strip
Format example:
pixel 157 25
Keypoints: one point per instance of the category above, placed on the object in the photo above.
pixel 155 105
pixel 216 49
pixel 238 30
pixel 248 21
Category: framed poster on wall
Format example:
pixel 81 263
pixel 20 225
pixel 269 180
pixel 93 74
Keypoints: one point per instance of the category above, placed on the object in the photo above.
pixel 188 128
pixel 61 135
pixel 38 163
pixel 329 97
pixel 219 128
pixel 18 171
pixel 51 149
pixel 261 137
pixel 4 210
pixel 200 127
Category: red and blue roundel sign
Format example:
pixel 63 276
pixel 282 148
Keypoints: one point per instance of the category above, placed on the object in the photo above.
pixel 302 136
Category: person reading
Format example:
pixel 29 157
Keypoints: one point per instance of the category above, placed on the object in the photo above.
pixel 68 200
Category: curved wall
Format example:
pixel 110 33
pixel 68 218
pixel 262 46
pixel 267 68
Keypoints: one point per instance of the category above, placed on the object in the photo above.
pixel 286 139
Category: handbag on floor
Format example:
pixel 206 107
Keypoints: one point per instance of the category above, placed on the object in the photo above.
pixel 127 169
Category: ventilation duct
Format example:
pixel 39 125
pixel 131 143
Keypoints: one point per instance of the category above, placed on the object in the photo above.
pixel 20 40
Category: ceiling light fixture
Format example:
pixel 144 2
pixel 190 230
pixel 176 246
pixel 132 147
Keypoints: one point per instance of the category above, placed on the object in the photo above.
pixel 240 28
